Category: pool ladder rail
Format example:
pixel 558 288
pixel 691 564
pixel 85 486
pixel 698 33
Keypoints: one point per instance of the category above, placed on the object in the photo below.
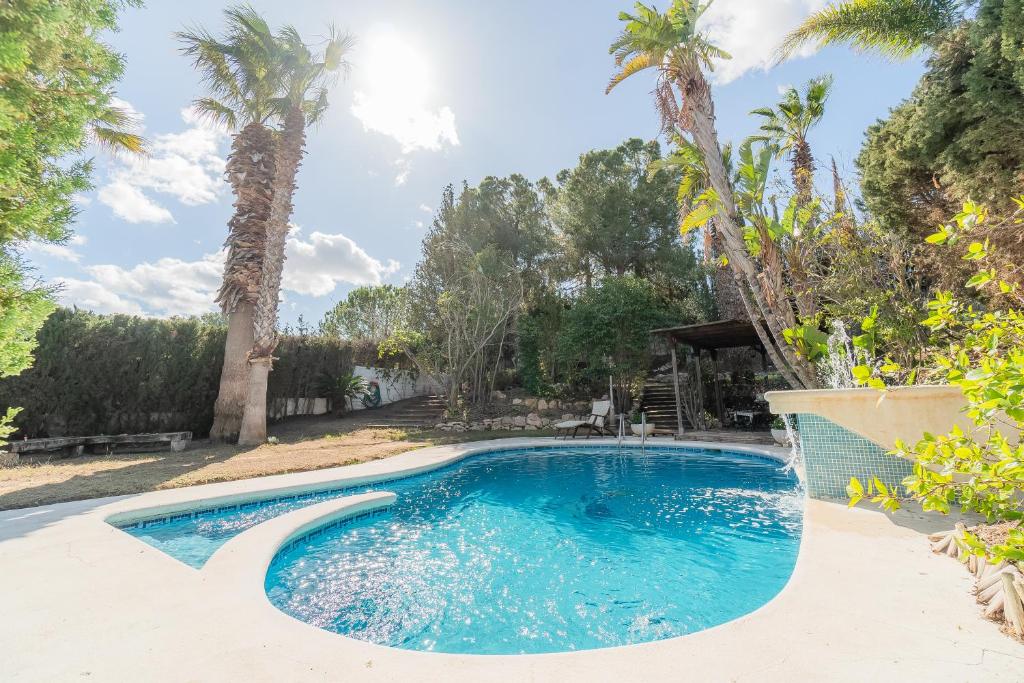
pixel 643 429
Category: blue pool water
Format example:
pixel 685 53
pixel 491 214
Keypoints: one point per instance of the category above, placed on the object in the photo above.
pixel 545 550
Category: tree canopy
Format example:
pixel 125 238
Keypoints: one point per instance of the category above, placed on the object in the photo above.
pixel 960 136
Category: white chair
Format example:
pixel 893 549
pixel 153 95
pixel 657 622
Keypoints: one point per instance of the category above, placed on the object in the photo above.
pixel 596 422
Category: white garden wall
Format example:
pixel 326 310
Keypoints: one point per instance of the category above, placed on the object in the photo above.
pixel 391 390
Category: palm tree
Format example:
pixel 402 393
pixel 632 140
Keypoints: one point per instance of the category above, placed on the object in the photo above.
pixel 301 100
pixel 242 73
pixel 787 125
pixel 672 44
pixel 785 129
pixel 896 29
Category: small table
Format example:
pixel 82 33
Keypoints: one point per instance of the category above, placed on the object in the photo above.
pixel 748 414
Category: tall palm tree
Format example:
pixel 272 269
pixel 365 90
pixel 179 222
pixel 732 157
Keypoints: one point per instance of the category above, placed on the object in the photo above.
pixel 896 29
pixel 787 126
pixel 242 73
pixel 672 44
pixel 301 101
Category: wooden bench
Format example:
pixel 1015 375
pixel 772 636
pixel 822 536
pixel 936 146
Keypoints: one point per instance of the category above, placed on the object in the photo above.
pixel 70 446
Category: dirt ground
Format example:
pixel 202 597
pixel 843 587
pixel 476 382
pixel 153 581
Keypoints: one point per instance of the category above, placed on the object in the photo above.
pixel 304 444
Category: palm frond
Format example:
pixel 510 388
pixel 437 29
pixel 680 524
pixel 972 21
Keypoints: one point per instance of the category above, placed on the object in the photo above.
pixel 216 112
pixel 116 140
pixel 629 68
pixel 892 28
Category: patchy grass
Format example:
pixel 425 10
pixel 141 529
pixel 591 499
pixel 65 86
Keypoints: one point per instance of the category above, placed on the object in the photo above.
pixel 303 445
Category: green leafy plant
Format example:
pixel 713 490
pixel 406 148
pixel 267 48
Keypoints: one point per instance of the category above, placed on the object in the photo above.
pixel 979 468
pixel 343 389
pixel 778 422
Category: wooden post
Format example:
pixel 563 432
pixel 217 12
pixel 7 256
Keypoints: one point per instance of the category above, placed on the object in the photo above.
pixel 675 385
pixel 700 390
pixel 719 408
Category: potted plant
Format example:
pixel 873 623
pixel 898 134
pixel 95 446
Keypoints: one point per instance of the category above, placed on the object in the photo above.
pixel 779 432
pixel 637 425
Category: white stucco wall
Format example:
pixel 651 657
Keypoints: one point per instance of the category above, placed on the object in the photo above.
pixel 395 389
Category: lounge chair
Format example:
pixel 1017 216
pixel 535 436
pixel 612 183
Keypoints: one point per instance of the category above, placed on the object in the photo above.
pixel 595 423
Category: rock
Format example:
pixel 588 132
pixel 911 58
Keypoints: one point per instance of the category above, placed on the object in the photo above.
pixel 553 404
pixel 517 401
pixel 507 421
pixel 568 416
pixel 531 403
pixel 498 395
pixel 534 420
pixel 519 421
pixel 542 404
pixel 530 428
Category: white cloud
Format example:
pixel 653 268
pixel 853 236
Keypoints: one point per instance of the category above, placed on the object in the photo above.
pixel 414 127
pixel 752 30
pixel 78 240
pixel 185 165
pixel 426 209
pixel 171 286
pixel 94 297
pixel 167 287
pixel 131 204
pixel 57 251
pixel 317 265
pixel 404 167
pixel 393 96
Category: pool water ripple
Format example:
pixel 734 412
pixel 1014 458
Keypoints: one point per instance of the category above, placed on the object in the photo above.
pixel 548 550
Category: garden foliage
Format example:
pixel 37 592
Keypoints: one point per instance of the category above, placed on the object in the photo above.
pixel 97 374
pixel 979 347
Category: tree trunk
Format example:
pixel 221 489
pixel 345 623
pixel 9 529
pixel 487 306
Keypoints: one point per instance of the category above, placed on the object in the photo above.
pixel 289 148
pixel 234 375
pixel 250 171
pixel 253 431
pixel 700 117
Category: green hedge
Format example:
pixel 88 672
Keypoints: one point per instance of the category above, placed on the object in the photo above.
pixel 112 374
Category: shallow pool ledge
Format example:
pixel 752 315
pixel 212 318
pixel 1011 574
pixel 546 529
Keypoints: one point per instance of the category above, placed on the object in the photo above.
pixel 238 570
pixel 848 432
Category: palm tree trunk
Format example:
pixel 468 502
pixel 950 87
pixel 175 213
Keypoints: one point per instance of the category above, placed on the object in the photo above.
pixel 290 144
pixel 250 171
pixel 700 117
pixel 803 181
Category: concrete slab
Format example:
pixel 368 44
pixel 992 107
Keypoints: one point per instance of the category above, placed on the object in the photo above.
pixel 81 599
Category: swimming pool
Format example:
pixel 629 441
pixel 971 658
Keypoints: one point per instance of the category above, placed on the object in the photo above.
pixel 530 550
pixel 553 550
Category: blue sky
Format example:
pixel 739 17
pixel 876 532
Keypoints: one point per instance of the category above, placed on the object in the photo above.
pixel 440 91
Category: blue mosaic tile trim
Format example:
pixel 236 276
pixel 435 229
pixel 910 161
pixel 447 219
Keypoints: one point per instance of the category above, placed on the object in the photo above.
pixel 321 530
pixel 833 454
pixel 364 487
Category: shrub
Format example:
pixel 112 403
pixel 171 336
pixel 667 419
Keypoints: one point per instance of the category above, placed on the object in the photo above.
pixel 97 374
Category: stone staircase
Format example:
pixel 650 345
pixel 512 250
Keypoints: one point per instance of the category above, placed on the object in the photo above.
pixel 416 412
pixel 658 400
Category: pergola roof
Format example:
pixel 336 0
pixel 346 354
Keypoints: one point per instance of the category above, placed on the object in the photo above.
pixel 724 334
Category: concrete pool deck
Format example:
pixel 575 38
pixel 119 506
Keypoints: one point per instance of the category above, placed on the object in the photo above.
pixel 80 599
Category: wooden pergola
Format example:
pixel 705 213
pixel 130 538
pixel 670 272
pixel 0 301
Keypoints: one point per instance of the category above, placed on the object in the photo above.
pixel 710 337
